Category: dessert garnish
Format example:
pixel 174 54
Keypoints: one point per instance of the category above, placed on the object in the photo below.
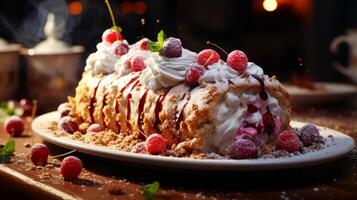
pixel 244 149
pixel 193 73
pixel 137 63
pixel 207 57
pixel 114 33
pixel 68 124
pixel 237 60
pixel 96 128
pixel 172 48
pixel 289 141
pixel 157 46
pixel 7 151
pixel 14 126
pixel 151 189
pixel 309 134
pixel 71 167
pixel 39 154
pixel 155 144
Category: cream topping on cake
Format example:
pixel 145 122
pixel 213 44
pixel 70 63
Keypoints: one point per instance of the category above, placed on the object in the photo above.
pixel 104 59
pixel 163 72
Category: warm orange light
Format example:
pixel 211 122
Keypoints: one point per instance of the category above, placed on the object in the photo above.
pixel 75 8
pixel 127 7
pixel 270 5
pixel 139 7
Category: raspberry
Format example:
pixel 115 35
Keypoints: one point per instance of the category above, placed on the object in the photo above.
pixel 26 106
pixel 14 126
pixel 68 124
pixel 172 48
pixel 39 154
pixel 268 122
pixel 289 141
pixel 121 49
pixel 111 35
pixel 244 149
pixel 193 73
pixel 137 63
pixel 309 134
pixel 237 60
pixel 251 108
pixel 94 128
pixel 155 144
pixel 144 43
pixel 207 57
pixel 71 167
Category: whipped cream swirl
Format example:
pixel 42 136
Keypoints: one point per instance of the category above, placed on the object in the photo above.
pixel 163 72
pixel 104 59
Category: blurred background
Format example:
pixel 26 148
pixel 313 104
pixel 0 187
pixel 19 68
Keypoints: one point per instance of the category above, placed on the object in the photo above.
pixel 285 37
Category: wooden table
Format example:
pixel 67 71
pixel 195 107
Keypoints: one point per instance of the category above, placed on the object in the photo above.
pixel 103 179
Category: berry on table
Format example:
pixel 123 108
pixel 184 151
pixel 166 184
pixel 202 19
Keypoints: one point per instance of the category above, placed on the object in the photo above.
pixel 26 106
pixel 121 49
pixel 289 141
pixel 237 60
pixel 39 154
pixel 68 124
pixel 155 144
pixel 137 63
pixel 71 167
pixel 172 48
pixel 94 128
pixel 207 57
pixel 144 44
pixel 244 149
pixel 14 126
pixel 193 73
pixel 111 35
pixel 309 134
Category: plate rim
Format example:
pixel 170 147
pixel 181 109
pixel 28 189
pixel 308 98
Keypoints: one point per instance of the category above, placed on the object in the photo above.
pixel 312 158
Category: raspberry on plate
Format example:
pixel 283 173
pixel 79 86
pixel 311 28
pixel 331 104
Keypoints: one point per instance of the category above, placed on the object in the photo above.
pixel 71 167
pixel 244 149
pixel 39 154
pixel 289 141
pixel 208 57
pixel 14 126
pixel 68 124
pixel 155 144
pixel 94 128
pixel 111 35
pixel 193 73
pixel 237 60
pixel 309 134
pixel 172 48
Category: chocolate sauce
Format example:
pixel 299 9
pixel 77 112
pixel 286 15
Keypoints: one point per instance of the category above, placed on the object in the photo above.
pixel 104 103
pixel 263 95
pixel 179 116
pixel 117 100
pixel 141 109
pixel 93 100
pixel 128 106
pixel 158 108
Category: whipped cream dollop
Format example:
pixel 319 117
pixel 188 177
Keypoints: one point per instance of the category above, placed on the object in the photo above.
pixel 104 59
pixel 163 72
pixel 232 113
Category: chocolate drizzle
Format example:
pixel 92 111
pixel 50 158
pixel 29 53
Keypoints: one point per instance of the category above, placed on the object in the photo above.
pixel 93 100
pixel 128 106
pixel 263 95
pixel 179 116
pixel 141 109
pixel 117 100
pixel 104 103
pixel 158 108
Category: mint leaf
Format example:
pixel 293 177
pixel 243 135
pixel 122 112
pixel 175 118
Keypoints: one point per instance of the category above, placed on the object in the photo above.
pixel 151 189
pixel 7 151
pixel 157 46
pixel 161 38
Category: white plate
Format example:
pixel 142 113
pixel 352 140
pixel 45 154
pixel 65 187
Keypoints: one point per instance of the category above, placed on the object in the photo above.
pixel 331 92
pixel 343 144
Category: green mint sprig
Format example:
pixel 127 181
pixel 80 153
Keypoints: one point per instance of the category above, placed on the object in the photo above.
pixel 157 46
pixel 7 151
pixel 151 189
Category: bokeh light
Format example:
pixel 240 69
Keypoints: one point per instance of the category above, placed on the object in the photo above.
pixel 270 5
pixel 75 8
pixel 127 7
pixel 139 7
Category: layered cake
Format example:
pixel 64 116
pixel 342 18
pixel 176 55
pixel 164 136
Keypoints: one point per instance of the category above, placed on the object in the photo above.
pixel 160 98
